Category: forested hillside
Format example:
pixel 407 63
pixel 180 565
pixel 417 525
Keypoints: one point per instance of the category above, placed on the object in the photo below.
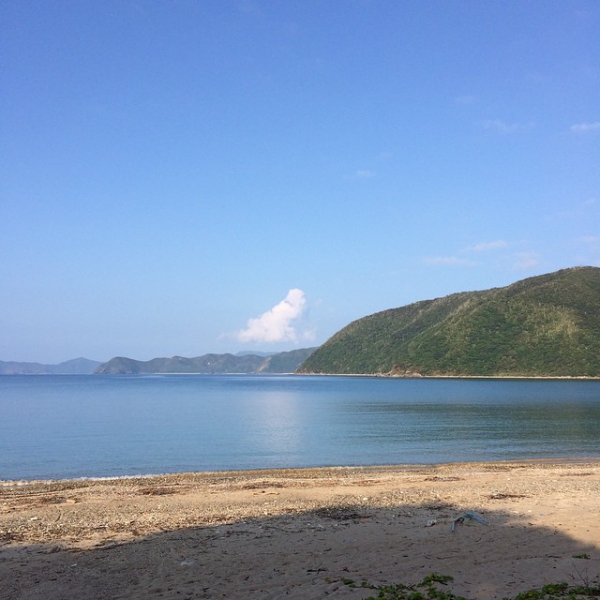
pixel 282 362
pixel 541 326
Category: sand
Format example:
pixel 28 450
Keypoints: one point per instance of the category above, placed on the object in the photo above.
pixel 302 534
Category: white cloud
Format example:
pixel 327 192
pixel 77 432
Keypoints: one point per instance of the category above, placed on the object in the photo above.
pixel 585 127
pixel 526 260
pixel 448 261
pixel 466 256
pixel 504 128
pixel 487 246
pixel 588 210
pixel 277 324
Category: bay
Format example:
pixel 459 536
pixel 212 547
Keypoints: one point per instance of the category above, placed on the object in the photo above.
pixel 108 426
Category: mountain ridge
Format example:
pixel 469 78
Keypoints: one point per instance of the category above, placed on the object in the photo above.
pixel 75 366
pixel 281 362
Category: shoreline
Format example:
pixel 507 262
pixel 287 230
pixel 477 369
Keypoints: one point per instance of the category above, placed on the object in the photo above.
pixel 374 375
pixel 301 533
pixel 277 471
pixel 419 376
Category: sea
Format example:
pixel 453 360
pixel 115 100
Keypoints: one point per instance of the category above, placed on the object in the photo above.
pixel 95 426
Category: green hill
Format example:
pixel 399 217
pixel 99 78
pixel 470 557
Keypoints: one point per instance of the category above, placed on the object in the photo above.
pixel 282 362
pixel 541 326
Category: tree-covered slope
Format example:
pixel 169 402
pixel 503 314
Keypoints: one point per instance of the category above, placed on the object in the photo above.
pixel 282 362
pixel 541 326
pixel 208 363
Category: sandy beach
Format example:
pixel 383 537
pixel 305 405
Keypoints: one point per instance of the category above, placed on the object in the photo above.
pixel 303 534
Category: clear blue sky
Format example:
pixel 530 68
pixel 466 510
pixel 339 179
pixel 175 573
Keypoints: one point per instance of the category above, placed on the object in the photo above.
pixel 193 176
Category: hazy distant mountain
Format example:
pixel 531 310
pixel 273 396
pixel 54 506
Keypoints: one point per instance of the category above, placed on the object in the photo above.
pixel 541 326
pixel 282 362
pixel 77 366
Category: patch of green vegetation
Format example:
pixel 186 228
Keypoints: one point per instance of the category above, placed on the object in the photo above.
pixel 561 590
pixel 424 590
pixel 541 326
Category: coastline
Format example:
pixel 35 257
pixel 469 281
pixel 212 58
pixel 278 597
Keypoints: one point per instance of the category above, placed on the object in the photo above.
pixel 308 471
pixel 300 533
pixel 484 377
pixel 307 374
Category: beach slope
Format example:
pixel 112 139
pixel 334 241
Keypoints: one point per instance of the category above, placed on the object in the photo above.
pixel 303 534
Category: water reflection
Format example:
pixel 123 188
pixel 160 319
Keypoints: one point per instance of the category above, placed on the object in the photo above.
pixel 101 425
pixel 277 424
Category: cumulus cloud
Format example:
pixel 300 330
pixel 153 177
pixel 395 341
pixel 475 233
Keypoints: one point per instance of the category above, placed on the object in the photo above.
pixel 279 323
pixel 585 127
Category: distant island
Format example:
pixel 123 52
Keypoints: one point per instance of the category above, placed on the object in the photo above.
pixel 281 362
pixel 545 326
pixel 77 366
pixel 243 362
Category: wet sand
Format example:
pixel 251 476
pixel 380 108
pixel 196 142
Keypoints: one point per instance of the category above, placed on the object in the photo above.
pixel 302 534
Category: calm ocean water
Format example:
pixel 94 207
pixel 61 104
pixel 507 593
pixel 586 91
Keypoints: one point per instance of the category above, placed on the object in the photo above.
pixel 104 426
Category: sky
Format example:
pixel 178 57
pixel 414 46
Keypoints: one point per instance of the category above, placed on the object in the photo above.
pixel 180 177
